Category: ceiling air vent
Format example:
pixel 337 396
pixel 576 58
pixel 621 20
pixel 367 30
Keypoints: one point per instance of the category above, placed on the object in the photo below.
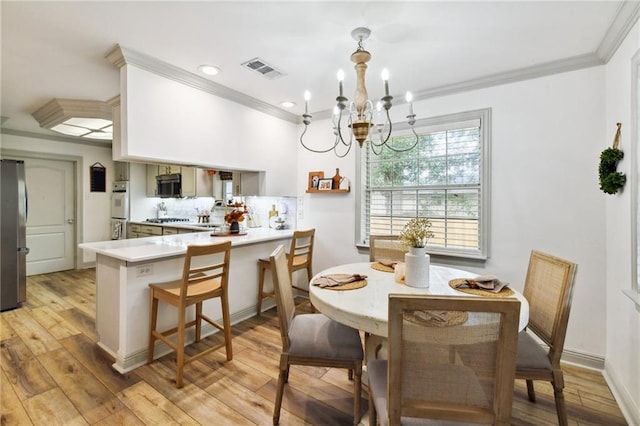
pixel 260 66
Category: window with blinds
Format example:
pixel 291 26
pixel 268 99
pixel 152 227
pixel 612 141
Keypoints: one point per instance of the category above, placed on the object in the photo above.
pixel 444 178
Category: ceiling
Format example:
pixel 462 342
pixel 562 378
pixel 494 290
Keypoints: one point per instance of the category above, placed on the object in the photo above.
pixel 57 49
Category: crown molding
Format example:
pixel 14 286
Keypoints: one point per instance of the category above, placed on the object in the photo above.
pixel 56 111
pixel 121 56
pixel 68 139
pixel 625 19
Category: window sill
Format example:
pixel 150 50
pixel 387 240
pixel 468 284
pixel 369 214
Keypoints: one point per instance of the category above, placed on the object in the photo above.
pixel 634 296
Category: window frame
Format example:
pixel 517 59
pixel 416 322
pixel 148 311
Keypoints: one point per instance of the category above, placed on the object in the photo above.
pixel 426 125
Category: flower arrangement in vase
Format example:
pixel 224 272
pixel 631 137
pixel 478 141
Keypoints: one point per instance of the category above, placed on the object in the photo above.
pixel 415 235
pixel 234 217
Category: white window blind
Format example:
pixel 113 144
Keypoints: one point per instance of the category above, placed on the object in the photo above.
pixel 444 178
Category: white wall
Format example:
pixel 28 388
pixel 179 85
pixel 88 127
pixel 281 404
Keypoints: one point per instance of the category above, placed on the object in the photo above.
pixel 164 120
pixel 547 137
pixel 622 364
pixel 93 209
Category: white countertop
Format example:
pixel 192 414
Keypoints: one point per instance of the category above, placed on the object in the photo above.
pixel 150 248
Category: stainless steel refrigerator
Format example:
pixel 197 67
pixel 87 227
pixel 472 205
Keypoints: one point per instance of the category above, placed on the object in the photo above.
pixel 13 221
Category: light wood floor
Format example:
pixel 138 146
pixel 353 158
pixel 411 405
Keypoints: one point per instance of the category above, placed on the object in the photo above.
pixel 52 373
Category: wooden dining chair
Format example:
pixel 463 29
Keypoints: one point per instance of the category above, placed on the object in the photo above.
pixel 312 339
pixel 300 256
pixel 387 247
pixel 205 275
pixel 548 288
pixel 421 380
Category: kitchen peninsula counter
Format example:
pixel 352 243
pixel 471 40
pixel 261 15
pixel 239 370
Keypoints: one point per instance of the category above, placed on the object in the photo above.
pixel 124 269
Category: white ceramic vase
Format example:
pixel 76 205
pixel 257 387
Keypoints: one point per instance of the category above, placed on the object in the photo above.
pixel 417 267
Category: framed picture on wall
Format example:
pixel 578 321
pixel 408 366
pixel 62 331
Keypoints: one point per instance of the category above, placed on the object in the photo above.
pixel 314 179
pixel 325 184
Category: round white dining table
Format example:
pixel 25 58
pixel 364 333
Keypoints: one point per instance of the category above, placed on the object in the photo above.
pixel 366 308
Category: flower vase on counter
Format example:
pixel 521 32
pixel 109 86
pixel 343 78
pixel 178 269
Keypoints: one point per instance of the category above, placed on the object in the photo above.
pixel 234 228
pixel 416 263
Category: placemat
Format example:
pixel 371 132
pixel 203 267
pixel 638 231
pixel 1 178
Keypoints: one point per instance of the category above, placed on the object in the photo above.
pixel 380 267
pixel 505 292
pixel 348 286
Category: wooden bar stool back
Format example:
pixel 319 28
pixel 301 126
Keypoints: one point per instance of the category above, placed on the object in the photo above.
pixel 300 256
pixel 205 276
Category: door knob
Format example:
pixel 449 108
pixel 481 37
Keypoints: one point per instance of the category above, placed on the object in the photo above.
pixel 71 221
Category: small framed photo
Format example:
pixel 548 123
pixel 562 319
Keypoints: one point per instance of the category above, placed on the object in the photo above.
pixel 325 184
pixel 314 179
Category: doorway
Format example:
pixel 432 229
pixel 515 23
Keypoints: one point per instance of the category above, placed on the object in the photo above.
pixel 51 215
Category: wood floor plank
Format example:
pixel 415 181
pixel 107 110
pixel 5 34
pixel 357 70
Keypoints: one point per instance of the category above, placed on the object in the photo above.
pixel 95 360
pixel 152 407
pixel 81 321
pixel 36 337
pixel 53 408
pixel 92 399
pixel 12 412
pixel 23 370
pixel 47 297
pixel 6 331
pixel 56 325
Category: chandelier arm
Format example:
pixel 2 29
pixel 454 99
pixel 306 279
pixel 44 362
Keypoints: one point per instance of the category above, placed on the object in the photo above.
pixel 317 151
pixel 373 148
pixel 340 132
pixel 415 142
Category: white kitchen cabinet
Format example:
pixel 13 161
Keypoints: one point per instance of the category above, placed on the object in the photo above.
pixel 120 170
pixel 168 169
pixel 246 184
pixel 152 185
pixel 196 182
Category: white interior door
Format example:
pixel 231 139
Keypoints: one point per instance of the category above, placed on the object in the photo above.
pixel 51 215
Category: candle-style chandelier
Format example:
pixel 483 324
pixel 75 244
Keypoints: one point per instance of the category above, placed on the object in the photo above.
pixel 359 114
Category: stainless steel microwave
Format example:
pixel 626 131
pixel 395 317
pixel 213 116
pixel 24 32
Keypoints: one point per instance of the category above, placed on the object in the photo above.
pixel 169 185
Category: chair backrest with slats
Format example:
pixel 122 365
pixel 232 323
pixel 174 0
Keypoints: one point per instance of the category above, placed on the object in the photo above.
pixel 206 262
pixel 283 292
pixel 386 247
pixel 301 249
pixel 452 358
pixel 549 288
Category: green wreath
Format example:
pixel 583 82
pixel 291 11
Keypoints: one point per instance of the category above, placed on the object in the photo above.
pixel 610 179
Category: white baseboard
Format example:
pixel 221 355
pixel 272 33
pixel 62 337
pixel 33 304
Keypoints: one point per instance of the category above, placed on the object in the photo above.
pixel 630 410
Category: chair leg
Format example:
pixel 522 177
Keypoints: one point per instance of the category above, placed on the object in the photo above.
pixel 558 385
pixel 153 316
pixel 198 321
pixel 180 348
pixel 530 391
pixel 373 415
pixel 226 322
pixel 282 379
pixel 261 269
pixel 357 393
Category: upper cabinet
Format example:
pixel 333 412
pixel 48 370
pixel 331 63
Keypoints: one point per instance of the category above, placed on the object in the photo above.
pixel 168 169
pixel 120 170
pixel 152 184
pixel 196 182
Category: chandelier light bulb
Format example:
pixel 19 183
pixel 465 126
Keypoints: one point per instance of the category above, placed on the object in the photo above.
pixel 385 78
pixel 378 106
pixel 307 96
pixel 340 78
pixel 409 99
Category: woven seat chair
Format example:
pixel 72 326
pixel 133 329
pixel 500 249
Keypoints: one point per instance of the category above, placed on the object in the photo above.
pixel 386 247
pixel 421 380
pixel 300 256
pixel 205 276
pixel 548 288
pixel 312 339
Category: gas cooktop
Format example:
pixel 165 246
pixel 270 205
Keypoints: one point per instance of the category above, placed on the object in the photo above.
pixel 167 220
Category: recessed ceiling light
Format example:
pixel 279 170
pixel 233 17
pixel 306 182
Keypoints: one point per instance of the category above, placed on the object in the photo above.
pixel 288 104
pixel 209 69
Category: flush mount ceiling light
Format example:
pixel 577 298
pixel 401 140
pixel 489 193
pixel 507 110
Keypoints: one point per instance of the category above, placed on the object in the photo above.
pixel 86 119
pixel 209 69
pixel 359 114
pixel 288 104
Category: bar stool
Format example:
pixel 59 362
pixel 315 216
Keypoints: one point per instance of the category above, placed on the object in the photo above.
pixel 299 257
pixel 205 276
